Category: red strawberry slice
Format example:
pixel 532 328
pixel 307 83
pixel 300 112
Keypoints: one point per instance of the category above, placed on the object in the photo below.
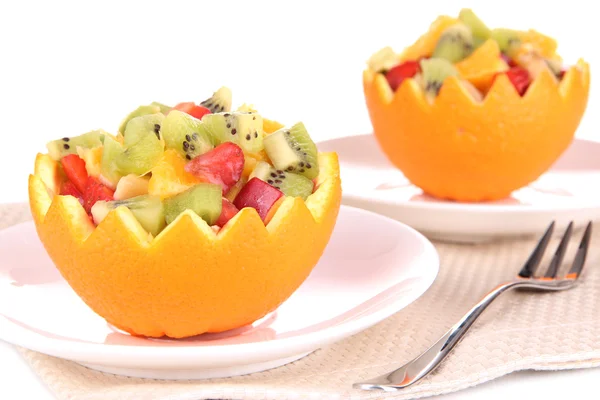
pixel 223 165
pixel 69 189
pixel 520 79
pixel 95 191
pixel 259 195
pixel 228 212
pixel 399 73
pixel 192 109
pixel 74 168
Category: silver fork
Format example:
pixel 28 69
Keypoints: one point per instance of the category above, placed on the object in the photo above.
pixel 421 366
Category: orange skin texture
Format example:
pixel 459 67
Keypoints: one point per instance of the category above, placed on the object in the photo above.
pixel 188 279
pixel 461 150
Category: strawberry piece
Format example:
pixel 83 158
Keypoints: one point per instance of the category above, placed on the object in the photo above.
pixel 508 60
pixel 69 189
pixel 520 79
pixel 259 195
pixel 95 191
pixel 399 73
pixel 192 109
pixel 74 168
pixel 228 212
pixel 223 165
pixel 562 73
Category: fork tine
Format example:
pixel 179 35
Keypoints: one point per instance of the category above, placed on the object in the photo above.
pixel 537 254
pixel 557 259
pixel 581 254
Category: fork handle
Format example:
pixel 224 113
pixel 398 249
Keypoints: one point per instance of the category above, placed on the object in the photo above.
pixel 421 366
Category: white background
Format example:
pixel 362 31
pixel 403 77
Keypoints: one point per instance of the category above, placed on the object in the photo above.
pixel 69 67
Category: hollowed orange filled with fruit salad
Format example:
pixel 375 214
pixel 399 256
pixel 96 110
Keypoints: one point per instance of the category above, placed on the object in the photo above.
pixel 470 113
pixel 190 219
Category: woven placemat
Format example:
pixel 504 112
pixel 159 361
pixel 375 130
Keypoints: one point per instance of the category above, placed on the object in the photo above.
pixel 550 331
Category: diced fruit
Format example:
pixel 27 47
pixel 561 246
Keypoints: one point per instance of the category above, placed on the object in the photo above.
pixel 383 60
pixel 148 210
pixel 293 150
pixel 228 211
pixel 169 176
pixel 529 59
pixel 95 191
pixel 220 101
pixel 435 72
pixel 110 174
pixel 92 158
pixel 138 127
pixel 425 44
pixel 290 184
pixel 544 44
pixel 480 31
pixel 223 165
pixel 520 79
pixel 259 195
pixel 473 91
pixel 140 157
pixel 205 199
pixel 138 112
pixel 235 189
pixel 192 109
pixel 242 128
pixel 74 168
pixel 273 210
pixel 399 73
pixel 251 159
pixel 555 66
pixel 269 125
pixel 508 60
pixel 163 108
pixel 69 189
pixel 131 186
pixel 186 135
pixel 57 149
pixel 508 40
pixel 455 44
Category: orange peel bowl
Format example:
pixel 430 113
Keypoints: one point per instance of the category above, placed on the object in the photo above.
pixel 460 149
pixel 187 280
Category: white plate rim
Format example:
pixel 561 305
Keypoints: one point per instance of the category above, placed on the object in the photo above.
pixel 305 342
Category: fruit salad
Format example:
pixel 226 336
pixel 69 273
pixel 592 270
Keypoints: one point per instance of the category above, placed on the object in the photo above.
pixel 465 47
pixel 202 157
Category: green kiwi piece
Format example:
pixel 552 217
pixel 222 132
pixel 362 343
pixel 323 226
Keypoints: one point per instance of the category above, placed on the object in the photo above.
pixel 292 150
pixel 59 148
pixel 141 156
pixel 434 73
pixel 139 126
pixel 138 112
pixel 240 127
pixel 455 43
pixel 220 101
pixel 108 167
pixel 163 108
pixel 508 40
pixel 479 30
pixel 205 199
pixel 186 134
pixel 288 183
pixel 148 210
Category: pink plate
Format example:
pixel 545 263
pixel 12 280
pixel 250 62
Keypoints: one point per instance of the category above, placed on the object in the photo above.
pixel 568 191
pixel 372 268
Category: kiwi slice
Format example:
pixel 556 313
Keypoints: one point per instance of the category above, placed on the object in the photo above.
pixel 59 148
pixel 290 184
pixel 220 101
pixel 163 108
pixel 138 112
pixel 455 43
pixel 186 134
pixel 239 127
pixel 434 73
pixel 292 150
pixel 205 199
pixel 148 210
pixel 139 126
pixel 140 157
pixel 508 40
pixel 479 30
pixel 108 167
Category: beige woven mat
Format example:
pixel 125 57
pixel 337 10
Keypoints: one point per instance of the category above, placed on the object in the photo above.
pixel 521 331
